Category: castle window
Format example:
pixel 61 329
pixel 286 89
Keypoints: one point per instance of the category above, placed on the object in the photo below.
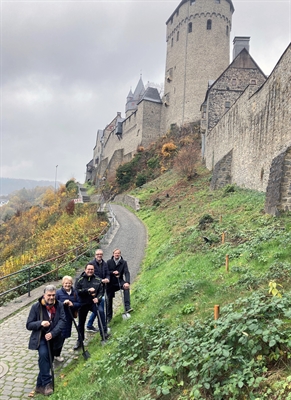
pixel 227 30
pixel 209 24
pixel 177 13
pixel 233 82
pixel 190 27
pixel 227 105
pixel 192 2
pixel 172 42
pixel 253 82
pixel 177 36
pixel 217 1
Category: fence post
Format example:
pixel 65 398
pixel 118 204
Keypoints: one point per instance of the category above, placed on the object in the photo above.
pixel 28 282
pixel 216 312
pixel 227 263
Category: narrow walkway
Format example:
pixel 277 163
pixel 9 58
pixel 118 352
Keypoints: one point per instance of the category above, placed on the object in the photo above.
pixel 18 365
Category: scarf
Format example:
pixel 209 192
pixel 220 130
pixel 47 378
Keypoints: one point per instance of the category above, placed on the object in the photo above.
pixel 51 311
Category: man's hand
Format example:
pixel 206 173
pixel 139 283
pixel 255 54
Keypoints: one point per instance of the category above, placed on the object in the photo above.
pixel 91 290
pixel 126 286
pixel 105 280
pixel 95 300
pixel 45 324
pixel 48 336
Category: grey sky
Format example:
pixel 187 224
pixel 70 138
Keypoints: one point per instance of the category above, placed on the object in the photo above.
pixel 67 67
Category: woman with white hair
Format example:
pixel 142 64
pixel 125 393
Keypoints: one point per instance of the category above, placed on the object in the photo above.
pixel 70 299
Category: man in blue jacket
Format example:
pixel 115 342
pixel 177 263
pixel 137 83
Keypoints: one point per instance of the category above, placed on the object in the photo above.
pixel 46 320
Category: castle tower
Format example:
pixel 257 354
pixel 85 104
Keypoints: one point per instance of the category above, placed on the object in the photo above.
pixel 198 51
pixel 133 98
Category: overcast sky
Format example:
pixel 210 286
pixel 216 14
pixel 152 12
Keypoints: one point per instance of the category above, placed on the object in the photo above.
pixel 67 67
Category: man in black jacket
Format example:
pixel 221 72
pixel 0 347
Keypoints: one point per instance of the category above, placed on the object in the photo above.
pixel 119 279
pixel 100 270
pixel 90 291
pixel 46 320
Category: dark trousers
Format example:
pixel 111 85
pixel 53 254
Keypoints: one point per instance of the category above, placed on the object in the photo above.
pixel 44 376
pixel 111 294
pixel 83 312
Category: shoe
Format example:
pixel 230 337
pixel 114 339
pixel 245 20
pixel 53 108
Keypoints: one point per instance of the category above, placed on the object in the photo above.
pixel 48 390
pixel 39 389
pixel 92 329
pixel 129 310
pixel 59 358
pixel 77 345
pixel 108 329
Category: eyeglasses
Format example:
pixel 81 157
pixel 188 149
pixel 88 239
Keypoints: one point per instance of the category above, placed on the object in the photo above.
pixel 98 254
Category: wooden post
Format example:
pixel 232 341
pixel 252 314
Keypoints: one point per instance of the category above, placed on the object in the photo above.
pixel 216 312
pixel 222 237
pixel 227 263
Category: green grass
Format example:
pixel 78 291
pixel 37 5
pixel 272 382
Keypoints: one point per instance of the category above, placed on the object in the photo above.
pixel 181 280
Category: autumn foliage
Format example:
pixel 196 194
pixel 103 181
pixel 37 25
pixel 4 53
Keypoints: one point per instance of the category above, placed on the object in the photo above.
pixel 47 230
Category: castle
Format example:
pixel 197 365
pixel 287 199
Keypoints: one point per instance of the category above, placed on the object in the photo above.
pixel 244 116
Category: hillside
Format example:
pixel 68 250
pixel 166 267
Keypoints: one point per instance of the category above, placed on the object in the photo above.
pixel 172 348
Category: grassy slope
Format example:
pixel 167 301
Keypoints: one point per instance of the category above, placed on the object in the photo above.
pixel 183 277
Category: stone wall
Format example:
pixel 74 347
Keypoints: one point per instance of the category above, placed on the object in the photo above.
pixel 257 129
pixel 128 200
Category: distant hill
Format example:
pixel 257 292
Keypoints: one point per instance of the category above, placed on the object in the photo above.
pixel 9 185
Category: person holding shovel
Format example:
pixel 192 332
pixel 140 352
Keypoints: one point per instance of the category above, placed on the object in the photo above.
pixel 119 279
pixel 46 320
pixel 100 270
pixel 70 299
pixel 90 290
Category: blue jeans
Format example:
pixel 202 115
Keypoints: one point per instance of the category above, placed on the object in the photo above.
pixel 94 315
pixel 44 376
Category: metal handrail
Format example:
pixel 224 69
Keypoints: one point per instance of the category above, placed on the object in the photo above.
pixel 31 267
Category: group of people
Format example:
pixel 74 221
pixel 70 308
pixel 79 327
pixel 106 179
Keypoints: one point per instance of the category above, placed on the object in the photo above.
pixel 50 318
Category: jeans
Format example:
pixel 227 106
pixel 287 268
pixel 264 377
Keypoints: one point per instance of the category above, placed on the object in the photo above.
pixel 94 315
pixel 44 376
pixel 83 312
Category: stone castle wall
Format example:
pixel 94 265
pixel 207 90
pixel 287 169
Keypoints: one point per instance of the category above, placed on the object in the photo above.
pixel 141 128
pixel 256 130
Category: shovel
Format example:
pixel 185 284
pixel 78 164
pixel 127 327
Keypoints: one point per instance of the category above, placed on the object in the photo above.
pixel 125 315
pixel 51 363
pixel 86 353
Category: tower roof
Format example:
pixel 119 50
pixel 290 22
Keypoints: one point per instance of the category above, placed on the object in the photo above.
pixel 139 90
pixel 152 94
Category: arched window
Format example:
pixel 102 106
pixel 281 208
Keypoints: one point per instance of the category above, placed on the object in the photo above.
pixel 226 30
pixel 190 27
pixel 209 24
pixel 177 36
pixel 172 42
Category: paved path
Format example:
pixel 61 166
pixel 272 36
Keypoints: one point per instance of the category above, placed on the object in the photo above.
pixel 18 365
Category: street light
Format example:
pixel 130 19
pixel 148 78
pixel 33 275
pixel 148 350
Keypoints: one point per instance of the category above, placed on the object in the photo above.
pixel 56 178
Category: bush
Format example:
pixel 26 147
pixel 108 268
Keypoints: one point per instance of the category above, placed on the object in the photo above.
pixel 186 161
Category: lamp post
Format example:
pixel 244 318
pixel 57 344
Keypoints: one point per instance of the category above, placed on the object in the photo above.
pixel 56 178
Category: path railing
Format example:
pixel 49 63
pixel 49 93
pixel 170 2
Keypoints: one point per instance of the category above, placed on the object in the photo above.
pixel 62 260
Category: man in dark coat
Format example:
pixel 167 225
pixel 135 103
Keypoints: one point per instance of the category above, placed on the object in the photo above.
pixel 119 279
pixel 46 320
pixel 100 270
pixel 90 290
